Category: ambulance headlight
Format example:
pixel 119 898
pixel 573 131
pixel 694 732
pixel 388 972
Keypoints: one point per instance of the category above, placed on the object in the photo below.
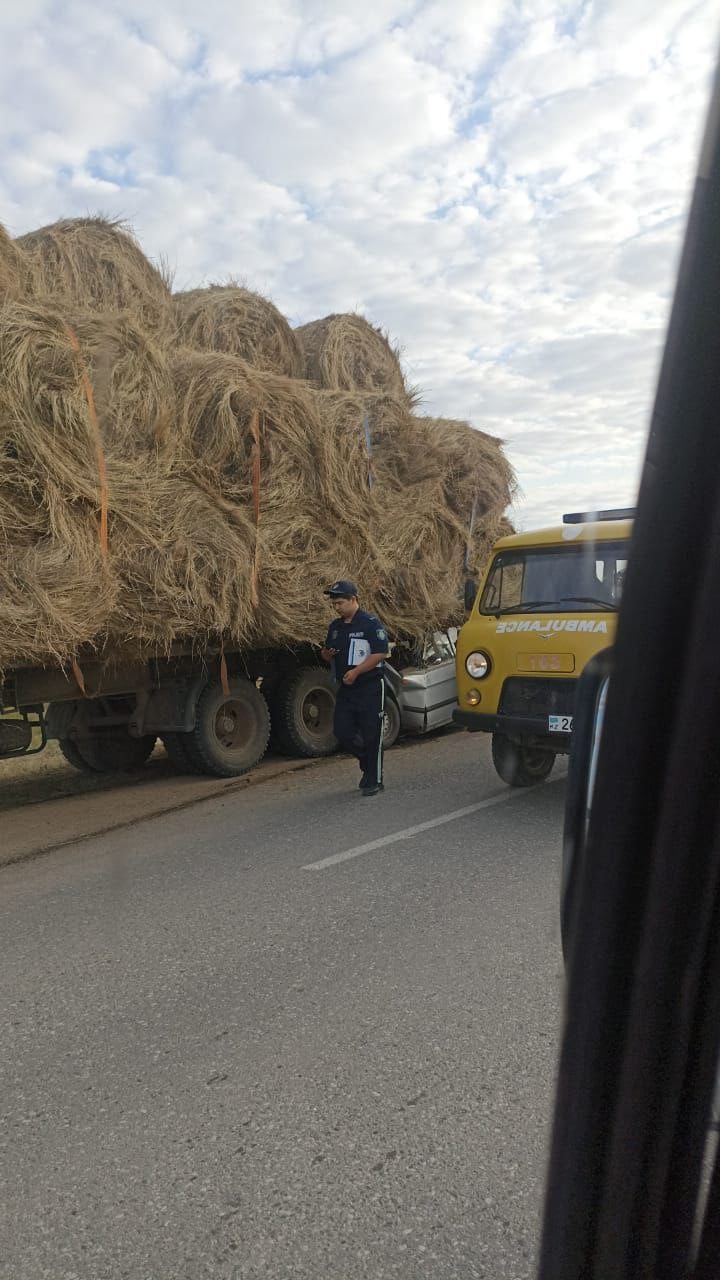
pixel 477 665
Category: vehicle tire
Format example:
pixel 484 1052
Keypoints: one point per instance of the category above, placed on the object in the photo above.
pixel 69 748
pixel 518 765
pixel 178 747
pixel 392 723
pixel 111 752
pixel 302 712
pixel 230 734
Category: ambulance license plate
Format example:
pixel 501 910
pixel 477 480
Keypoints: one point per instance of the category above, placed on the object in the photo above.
pixel 560 724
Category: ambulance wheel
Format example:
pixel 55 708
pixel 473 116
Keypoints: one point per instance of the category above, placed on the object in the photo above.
pixel 518 765
pixel 302 713
pixel 231 732
pixel 391 723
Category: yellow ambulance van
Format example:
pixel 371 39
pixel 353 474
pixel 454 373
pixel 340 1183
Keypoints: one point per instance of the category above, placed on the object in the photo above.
pixel 548 602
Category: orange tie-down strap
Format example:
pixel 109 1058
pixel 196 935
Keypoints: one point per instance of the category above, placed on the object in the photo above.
pixel 79 677
pixel 99 453
pixel 224 682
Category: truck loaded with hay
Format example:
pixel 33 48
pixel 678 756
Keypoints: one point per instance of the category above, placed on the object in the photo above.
pixel 180 476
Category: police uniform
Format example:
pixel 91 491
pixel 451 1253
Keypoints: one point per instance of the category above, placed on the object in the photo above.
pixel 359 707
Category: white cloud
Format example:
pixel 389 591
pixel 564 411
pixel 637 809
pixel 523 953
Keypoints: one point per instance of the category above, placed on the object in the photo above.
pixel 502 186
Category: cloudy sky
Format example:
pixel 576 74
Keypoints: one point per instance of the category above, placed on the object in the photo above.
pixel 501 184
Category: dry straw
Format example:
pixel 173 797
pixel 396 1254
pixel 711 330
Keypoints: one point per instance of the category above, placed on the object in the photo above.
pixel 181 562
pixel 54 578
pixel 249 440
pixel 96 264
pixel 231 493
pixel 478 481
pixel 418 501
pixel 13 268
pixel 53 597
pixel 347 353
pixel 234 320
pixel 43 402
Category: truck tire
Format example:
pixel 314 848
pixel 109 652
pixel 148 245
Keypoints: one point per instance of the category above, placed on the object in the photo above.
pixel 230 734
pixel 302 714
pixel 392 723
pixel 108 752
pixel 179 752
pixel 518 765
pixel 69 748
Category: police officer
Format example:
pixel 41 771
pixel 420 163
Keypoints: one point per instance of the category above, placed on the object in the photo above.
pixel 356 648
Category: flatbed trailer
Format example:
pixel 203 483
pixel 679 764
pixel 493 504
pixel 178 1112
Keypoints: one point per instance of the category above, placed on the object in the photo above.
pixel 214 709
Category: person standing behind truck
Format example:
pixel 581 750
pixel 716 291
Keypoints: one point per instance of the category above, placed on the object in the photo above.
pixel 356 648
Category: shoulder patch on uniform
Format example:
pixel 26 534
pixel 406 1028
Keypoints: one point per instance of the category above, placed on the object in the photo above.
pixel 381 633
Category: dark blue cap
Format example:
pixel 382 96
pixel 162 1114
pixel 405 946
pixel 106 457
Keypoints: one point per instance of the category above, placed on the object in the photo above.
pixel 341 588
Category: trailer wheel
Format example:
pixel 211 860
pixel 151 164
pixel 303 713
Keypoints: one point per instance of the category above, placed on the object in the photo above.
pixel 231 734
pixel 108 752
pixel 391 722
pixel 302 711
pixel 69 748
pixel 518 765
pixel 179 752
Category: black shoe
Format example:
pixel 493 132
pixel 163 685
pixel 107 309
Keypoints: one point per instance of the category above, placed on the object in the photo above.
pixel 374 789
pixel 364 782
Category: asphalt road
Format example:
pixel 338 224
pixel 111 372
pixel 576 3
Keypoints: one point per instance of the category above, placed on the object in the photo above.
pixel 216 1062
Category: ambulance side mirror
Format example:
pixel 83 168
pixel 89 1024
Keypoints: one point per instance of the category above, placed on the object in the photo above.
pixel 470 593
pixel 590 701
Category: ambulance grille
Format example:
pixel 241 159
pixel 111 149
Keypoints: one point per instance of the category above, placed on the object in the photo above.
pixel 531 696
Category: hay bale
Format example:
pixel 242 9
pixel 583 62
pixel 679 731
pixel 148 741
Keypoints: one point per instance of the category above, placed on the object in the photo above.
pixel 50 485
pixel 364 487
pixel 347 353
pixel 96 264
pixel 216 396
pixel 317 517
pixel 478 484
pixel 405 505
pixel 236 321
pixel 219 399
pixel 202 545
pixel 462 505
pixel 54 597
pixel 476 470
pixel 45 420
pixel 13 268
pixel 181 563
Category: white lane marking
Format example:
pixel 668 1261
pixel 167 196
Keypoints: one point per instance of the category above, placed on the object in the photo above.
pixel 409 832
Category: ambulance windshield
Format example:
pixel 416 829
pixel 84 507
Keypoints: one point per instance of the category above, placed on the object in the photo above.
pixel 580 579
